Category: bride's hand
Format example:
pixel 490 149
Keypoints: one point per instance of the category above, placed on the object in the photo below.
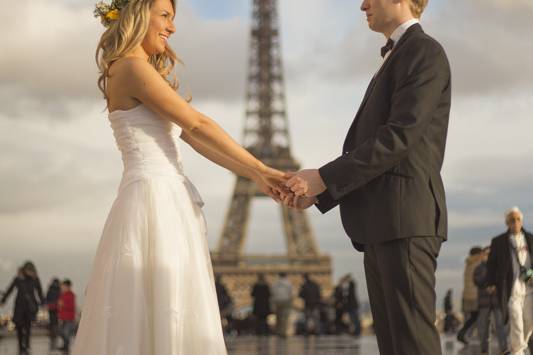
pixel 272 183
pixel 264 187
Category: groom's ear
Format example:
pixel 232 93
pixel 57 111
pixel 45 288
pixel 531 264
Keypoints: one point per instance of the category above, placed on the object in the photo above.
pixel 417 7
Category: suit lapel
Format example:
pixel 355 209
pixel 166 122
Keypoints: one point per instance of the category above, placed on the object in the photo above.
pixel 529 241
pixel 508 251
pixel 414 28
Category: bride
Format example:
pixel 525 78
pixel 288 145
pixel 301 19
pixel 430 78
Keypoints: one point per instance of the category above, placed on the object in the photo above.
pixel 151 290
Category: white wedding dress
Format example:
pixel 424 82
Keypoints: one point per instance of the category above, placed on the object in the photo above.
pixel 151 290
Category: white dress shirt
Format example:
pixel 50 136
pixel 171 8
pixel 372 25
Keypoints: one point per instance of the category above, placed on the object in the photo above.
pixel 397 34
pixel 519 246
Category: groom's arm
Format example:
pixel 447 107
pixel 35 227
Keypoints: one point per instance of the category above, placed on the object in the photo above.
pixel 414 101
pixel 326 202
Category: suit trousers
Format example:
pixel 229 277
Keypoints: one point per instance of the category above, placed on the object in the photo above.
pixel 521 322
pixel 400 277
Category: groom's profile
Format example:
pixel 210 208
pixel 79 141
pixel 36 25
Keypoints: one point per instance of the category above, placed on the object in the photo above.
pixel 387 180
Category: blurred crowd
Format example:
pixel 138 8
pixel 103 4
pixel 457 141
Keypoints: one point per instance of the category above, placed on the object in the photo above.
pixel 273 305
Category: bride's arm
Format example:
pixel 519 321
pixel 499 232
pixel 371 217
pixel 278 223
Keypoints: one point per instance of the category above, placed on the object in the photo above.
pixel 146 85
pixel 217 158
pixel 230 164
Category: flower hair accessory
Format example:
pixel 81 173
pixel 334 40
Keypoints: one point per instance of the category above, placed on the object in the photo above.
pixel 109 12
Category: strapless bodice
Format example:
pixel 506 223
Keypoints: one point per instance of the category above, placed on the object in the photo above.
pixel 149 146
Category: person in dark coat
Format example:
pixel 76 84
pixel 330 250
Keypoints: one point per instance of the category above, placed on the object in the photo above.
pixel 225 303
pixel 449 318
pixel 310 293
pixel 28 286
pixel 511 255
pixel 52 296
pixel 339 301
pixel 352 305
pixel 488 304
pixel 261 308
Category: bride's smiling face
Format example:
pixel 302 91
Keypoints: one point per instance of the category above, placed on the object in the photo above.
pixel 160 28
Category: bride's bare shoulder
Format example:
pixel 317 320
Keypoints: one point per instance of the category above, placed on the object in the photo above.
pixel 130 67
pixel 123 83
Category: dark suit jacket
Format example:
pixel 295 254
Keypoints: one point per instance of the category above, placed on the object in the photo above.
pixel 387 181
pixel 500 266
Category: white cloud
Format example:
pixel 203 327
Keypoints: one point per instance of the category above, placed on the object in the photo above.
pixel 486 43
pixel 475 218
pixel 6 265
pixel 48 57
pixel 214 53
pixel 50 67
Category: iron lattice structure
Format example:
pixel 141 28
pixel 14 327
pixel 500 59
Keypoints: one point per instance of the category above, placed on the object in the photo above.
pixel 266 135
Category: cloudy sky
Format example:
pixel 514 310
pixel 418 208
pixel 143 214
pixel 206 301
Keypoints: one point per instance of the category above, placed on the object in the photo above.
pixel 59 167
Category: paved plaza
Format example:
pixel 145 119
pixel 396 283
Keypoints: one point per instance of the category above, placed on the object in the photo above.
pixel 250 345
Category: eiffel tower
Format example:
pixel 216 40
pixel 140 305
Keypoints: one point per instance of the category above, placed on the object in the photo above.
pixel 266 136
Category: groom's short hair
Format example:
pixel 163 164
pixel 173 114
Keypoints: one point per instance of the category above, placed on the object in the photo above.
pixel 417 7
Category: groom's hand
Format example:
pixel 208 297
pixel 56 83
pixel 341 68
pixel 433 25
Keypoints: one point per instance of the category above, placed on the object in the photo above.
pixel 302 202
pixel 306 183
pixel 298 202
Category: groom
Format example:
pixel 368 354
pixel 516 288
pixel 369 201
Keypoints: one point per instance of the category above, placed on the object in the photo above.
pixel 387 181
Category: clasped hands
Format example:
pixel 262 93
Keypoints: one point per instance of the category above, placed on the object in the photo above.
pixel 293 189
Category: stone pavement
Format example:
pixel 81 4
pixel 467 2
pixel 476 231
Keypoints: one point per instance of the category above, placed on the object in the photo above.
pixel 250 345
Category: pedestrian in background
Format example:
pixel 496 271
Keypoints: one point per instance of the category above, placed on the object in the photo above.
pixel 489 305
pixel 29 297
pixel 67 314
pixel 310 293
pixel 510 274
pixel 282 299
pixel 261 305
pixel 470 296
pixel 52 298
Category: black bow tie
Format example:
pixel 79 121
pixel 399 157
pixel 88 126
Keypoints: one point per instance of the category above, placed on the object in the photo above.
pixel 387 47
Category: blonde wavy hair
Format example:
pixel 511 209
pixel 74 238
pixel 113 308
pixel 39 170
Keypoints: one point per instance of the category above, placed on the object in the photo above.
pixel 417 7
pixel 124 34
